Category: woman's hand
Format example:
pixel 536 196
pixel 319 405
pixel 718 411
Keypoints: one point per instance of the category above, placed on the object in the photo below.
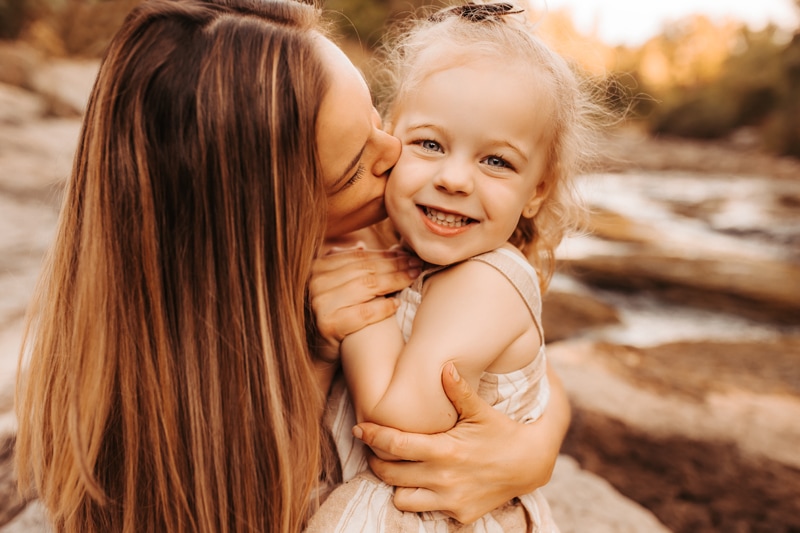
pixel 348 285
pixel 480 464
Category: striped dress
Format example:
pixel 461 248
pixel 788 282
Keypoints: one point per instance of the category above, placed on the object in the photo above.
pixel 363 503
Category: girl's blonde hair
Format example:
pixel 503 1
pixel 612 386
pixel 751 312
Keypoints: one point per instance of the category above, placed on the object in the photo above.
pixel 413 51
pixel 165 382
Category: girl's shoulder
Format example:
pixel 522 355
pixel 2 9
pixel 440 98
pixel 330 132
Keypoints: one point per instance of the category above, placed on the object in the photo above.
pixel 502 265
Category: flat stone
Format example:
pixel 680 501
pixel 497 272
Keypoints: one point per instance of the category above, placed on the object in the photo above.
pixel 18 105
pixel 584 502
pixel 761 422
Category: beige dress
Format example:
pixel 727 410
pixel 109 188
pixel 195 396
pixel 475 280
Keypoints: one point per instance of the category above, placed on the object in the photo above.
pixel 363 503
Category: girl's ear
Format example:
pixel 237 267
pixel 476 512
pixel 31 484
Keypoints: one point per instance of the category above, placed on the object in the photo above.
pixel 535 202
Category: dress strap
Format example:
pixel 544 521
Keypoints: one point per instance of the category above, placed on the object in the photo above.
pixel 427 271
pixel 521 275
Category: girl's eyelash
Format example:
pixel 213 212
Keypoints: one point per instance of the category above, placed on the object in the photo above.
pixel 506 162
pixel 421 143
pixel 357 176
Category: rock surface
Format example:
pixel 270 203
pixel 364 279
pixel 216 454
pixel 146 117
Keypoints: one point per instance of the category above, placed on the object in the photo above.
pixel 705 435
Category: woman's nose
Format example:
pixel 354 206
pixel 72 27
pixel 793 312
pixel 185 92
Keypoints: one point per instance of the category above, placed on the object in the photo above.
pixel 388 152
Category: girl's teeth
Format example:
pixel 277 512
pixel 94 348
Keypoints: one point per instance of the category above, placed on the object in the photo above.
pixel 449 220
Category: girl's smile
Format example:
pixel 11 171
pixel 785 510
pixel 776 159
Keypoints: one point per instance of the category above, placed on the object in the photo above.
pixel 442 221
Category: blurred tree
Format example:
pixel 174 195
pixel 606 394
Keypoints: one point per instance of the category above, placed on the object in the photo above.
pixel 360 20
pixel 710 81
pixel 15 15
pixel 366 20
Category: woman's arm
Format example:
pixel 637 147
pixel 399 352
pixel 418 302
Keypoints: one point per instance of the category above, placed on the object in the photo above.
pixel 478 465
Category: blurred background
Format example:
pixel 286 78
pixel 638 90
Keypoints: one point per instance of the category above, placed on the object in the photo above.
pixel 675 324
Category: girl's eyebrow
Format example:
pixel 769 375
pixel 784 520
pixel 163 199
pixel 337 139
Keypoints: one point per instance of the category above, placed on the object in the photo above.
pixel 346 174
pixel 514 148
pixel 413 127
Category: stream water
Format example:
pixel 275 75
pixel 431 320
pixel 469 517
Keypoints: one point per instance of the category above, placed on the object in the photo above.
pixel 692 216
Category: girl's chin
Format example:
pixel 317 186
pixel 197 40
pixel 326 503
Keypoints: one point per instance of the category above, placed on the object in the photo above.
pixel 438 257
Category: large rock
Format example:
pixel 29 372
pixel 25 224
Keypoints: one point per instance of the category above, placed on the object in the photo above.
pixel 18 105
pixel 62 86
pixel 568 314
pixel 703 434
pixel 724 243
pixel 18 64
pixel 32 519
pixel 629 149
pixel 749 287
pixel 66 86
pixel 583 502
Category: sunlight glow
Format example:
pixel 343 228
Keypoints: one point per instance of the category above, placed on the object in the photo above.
pixel 632 22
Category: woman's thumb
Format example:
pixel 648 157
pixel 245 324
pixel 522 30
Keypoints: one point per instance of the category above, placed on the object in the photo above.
pixel 460 393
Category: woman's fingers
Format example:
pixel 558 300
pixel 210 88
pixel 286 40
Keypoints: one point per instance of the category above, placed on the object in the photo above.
pixel 391 442
pixel 418 500
pixel 346 289
pixel 329 295
pixel 344 321
pixel 376 260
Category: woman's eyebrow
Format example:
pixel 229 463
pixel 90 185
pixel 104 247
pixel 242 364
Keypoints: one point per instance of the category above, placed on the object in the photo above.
pixel 346 174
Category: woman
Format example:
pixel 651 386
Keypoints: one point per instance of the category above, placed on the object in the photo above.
pixel 166 382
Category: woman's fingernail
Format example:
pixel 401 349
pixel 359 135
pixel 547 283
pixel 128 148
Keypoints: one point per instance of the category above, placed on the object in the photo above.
pixel 358 432
pixel 454 373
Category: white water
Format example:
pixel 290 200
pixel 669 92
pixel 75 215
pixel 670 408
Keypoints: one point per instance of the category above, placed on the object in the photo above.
pixel 695 215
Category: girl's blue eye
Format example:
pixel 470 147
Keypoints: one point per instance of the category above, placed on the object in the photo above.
pixel 495 161
pixel 433 146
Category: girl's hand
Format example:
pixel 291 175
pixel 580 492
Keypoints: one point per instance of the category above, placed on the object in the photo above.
pixel 485 460
pixel 347 290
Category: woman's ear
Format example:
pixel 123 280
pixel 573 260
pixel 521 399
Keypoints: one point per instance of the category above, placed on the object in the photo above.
pixel 535 202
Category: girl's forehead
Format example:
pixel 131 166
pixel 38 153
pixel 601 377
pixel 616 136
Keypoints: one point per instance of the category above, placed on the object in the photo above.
pixel 488 62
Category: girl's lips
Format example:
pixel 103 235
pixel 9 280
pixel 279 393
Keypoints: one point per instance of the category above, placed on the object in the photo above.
pixel 444 224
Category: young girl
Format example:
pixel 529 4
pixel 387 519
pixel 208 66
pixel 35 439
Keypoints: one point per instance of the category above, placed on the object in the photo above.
pixel 492 125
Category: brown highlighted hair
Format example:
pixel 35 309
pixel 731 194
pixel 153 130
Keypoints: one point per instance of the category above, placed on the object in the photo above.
pixel 165 383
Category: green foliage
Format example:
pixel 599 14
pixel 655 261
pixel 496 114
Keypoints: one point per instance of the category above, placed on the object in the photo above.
pixel 360 20
pixel 759 86
pixel 365 21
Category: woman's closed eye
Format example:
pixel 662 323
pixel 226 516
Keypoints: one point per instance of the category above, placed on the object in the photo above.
pixel 359 173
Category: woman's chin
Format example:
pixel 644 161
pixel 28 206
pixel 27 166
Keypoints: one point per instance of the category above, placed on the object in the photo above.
pixel 364 218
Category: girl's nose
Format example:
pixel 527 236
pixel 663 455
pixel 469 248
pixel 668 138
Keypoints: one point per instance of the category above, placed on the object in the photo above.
pixel 454 177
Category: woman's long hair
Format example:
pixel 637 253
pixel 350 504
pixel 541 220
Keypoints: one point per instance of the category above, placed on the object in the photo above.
pixel 165 383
